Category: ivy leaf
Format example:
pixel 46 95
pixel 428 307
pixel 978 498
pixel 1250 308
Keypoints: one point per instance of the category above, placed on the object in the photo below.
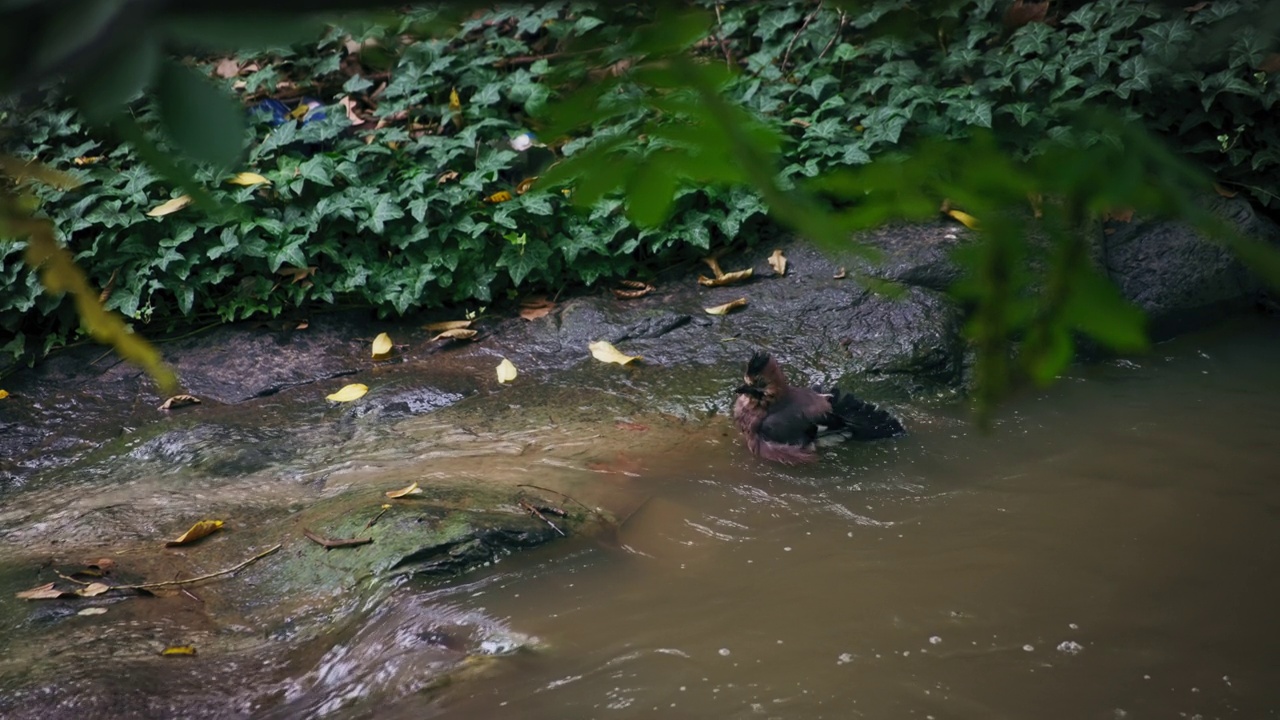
pixel 520 260
pixel 382 210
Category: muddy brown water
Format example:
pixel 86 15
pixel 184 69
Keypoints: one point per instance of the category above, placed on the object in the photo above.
pixel 1111 550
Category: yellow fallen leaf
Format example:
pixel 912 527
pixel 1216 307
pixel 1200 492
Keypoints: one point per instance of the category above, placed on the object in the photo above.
pixel 506 371
pixel 605 352
pixel 728 307
pixel 88 160
pixel 447 325
pixel 779 262
pixel 178 401
pixel 173 650
pixel 201 529
pixel 93 611
pixel 455 102
pixel 965 218
pixel 411 490
pixel 354 391
pixel 714 264
pixel 93 589
pixel 4 394
pixel 44 592
pixel 169 207
pixel 499 197
pixel 247 179
pixel 455 334
pixel 381 345
pixel 725 278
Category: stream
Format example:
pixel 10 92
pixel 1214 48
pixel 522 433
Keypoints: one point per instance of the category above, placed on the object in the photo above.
pixel 1110 550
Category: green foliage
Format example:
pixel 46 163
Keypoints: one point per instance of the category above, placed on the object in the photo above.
pixel 677 131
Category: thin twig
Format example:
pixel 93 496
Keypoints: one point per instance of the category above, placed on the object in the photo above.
pixel 783 65
pixel 71 579
pixel 538 514
pixel 188 581
pixel 597 513
pixel 719 36
pixel 377 517
pixel 839 31
pixel 330 543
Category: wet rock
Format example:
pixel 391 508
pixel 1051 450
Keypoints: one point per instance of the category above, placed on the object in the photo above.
pixel 217 450
pixel 1180 278
pixel 916 337
pixel 236 363
pixel 916 254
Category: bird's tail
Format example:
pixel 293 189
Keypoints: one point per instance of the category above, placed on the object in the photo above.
pixel 859 420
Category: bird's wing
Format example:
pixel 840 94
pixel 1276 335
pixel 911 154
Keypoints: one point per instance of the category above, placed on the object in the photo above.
pixel 793 418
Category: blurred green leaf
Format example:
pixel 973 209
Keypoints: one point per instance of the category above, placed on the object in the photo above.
pixel 651 192
pixel 202 121
pixel 121 76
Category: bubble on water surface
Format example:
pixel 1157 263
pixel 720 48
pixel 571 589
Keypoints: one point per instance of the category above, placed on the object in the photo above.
pixel 1070 647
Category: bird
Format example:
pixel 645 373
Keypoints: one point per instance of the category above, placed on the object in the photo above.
pixel 782 423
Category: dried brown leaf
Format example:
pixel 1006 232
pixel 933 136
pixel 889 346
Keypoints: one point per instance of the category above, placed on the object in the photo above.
pixel 227 68
pixel 728 307
pixel 44 592
pixel 634 292
pixel 447 325
pixel 298 274
pixel 412 489
pixel 455 334
pixel 1023 13
pixel 533 313
pixel 170 207
pixel 204 528
pixel 840 274
pixel 604 351
pixel 348 103
pixel 93 611
pixel 726 278
pixel 535 307
pixel 447 176
pixel 1223 191
pixel 107 289
pixel 965 218
pixel 506 371
pixel 778 262
pixel 178 401
pixel 1197 7
pixel 714 264
pixel 93 589
pixel 348 393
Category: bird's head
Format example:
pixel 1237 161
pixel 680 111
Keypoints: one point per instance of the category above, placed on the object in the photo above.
pixel 754 375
